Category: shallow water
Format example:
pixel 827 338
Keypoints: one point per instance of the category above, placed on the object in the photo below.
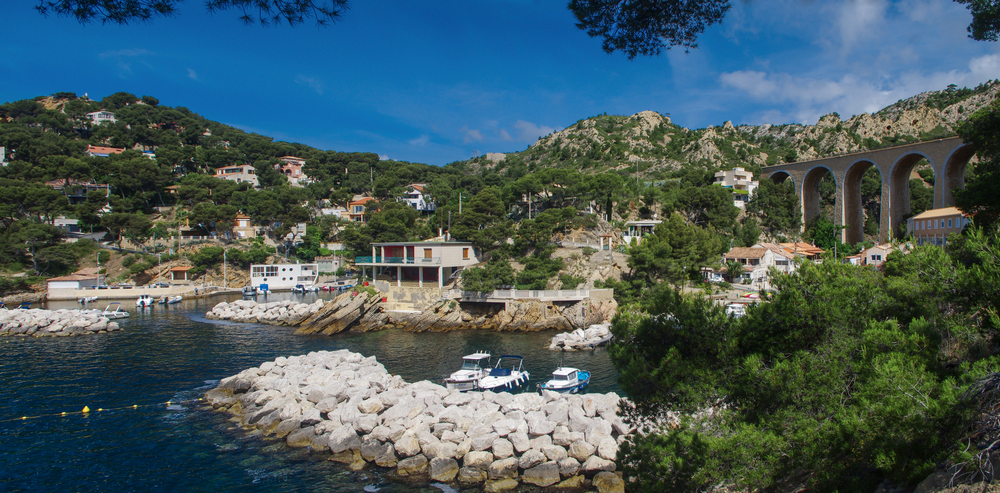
pixel 174 354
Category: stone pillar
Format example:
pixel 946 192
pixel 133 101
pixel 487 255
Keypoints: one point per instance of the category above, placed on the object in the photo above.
pixel 440 277
pixel 420 271
pixel 399 276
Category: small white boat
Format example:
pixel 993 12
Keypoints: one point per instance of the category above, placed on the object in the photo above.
pixel 474 367
pixel 88 299
pixel 506 376
pixel 311 289
pixel 249 292
pixel 299 288
pixel 567 380
pixel 736 309
pixel 170 300
pixel 114 311
pixel 144 300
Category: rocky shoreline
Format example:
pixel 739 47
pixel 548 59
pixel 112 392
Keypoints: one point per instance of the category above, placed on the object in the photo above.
pixel 346 405
pixel 361 311
pixel 36 322
pixel 582 339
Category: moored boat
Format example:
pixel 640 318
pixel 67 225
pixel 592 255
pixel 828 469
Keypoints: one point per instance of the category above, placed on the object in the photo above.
pixel 474 367
pixel 114 311
pixel 249 292
pixel 506 376
pixel 170 300
pixel 144 300
pixel 88 299
pixel 567 380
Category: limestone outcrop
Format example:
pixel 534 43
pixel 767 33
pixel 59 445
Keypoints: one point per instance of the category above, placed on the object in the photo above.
pixel 581 339
pixel 346 405
pixel 360 311
pixel 54 323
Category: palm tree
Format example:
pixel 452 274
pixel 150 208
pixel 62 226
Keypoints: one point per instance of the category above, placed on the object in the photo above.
pixel 734 268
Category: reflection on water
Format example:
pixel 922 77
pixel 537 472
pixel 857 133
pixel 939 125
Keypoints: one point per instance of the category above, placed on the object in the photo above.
pixel 172 353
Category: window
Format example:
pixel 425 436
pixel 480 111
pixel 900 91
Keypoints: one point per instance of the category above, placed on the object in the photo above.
pixel 358 209
pixel 465 254
pixel 949 223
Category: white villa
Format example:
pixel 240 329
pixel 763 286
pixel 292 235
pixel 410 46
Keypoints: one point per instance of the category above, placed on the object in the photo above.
pixel 637 229
pixel 239 174
pixel 99 117
pixel 740 181
pixel 283 277
pixel 419 263
pixel 414 197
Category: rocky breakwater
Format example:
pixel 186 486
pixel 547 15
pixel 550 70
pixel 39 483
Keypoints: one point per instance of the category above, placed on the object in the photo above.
pixel 351 310
pixel 347 405
pixel 54 323
pixel 525 315
pixel 581 339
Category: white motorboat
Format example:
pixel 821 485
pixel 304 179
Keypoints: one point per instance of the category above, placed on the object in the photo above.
pixel 88 299
pixel 249 292
pixel 474 367
pixel 506 376
pixel 309 288
pixel 144 300
pixel 567 380
pixel 114 311
pixel 170 300
pixel 299 288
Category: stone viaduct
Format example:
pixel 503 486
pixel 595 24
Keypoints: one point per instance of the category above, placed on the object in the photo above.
pixel 947 158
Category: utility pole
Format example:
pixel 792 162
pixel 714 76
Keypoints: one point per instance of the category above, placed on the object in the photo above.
pixel 459 204
pixel 225 283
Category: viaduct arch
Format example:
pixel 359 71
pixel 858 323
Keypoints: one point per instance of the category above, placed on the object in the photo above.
pixel 947 158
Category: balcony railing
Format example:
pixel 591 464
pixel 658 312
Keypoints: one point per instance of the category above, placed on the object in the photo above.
pixel 397 260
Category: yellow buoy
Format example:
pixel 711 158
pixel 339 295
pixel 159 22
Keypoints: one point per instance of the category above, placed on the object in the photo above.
pixel 99 409
pixel 135 406
pixel 86 409
pixel 62 413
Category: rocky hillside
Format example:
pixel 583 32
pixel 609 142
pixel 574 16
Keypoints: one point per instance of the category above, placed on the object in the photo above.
pixel 652 144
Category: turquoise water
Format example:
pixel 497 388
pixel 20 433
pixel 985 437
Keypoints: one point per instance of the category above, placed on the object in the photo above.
pixel 174 354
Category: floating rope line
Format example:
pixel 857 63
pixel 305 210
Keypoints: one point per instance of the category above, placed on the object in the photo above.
pixel 86 411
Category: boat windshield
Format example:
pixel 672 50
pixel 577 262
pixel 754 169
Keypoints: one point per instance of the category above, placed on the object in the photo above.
pixel 470 364
pixel 560 377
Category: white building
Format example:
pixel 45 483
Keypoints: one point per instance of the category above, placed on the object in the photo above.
pixel 740 181
pixel 635 230
pixel 99 117
pixel 3 156
pixel 239 174
pixel 414 197
pixel 283 277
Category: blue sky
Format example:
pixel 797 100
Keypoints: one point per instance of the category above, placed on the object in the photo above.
pixel 434 82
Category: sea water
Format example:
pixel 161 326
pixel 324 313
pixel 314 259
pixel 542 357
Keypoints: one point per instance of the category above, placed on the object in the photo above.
pixel 146 430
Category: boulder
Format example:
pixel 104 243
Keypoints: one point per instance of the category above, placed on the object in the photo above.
pixel 344 438
pixel 443 469
pixel 581 450
pixel 301 437
pixel 412 465
pixel 407 446
pixel 502 448
pixel 478 459
pixel 502 469
pixel 596 464
pixel 530 459
pixel 568 467
pixel 498 485
pixel 607 482
pixel 471 475
pixel 543 475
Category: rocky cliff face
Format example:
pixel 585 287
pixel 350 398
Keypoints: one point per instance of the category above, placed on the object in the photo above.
pixel 363 311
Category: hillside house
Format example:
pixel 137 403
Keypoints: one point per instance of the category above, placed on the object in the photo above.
pixel 292 169
pixel 356 208
pixel 933 227
pixel 101 151
pixel 757 261
pixel 64 287
pixel 635 230
pixel 243 228
pixel 740 181
pixel 414 197
pixel 99 117
pixel 419 263
pixel 239 174
pixel 3 156
pixel 877 254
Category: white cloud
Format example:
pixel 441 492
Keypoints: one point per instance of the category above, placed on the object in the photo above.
pixel 313 83
pixel 505 135
pixel 530 132
pixel 807 98
pixel 859 20
pixel 383 157
pixel 192 74
pixel 470 135
pixel 419 141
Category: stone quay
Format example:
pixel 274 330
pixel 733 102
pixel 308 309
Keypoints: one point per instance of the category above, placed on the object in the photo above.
pixel 347 405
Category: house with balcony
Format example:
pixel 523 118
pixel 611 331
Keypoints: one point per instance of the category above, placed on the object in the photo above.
pixel 933 227
pixel 419 263
pixel 414 197
pixel 740 181
pixel 243 228
pixel 239 174
pixel 635 230
pixel 356 208
pixel 99 117
pixel 292 169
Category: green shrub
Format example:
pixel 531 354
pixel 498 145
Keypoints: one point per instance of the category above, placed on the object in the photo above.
pixel 128 260
pixel 571 282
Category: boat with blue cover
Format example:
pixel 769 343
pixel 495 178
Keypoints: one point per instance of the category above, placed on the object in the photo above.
pixel 567 380
pixel 507 375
